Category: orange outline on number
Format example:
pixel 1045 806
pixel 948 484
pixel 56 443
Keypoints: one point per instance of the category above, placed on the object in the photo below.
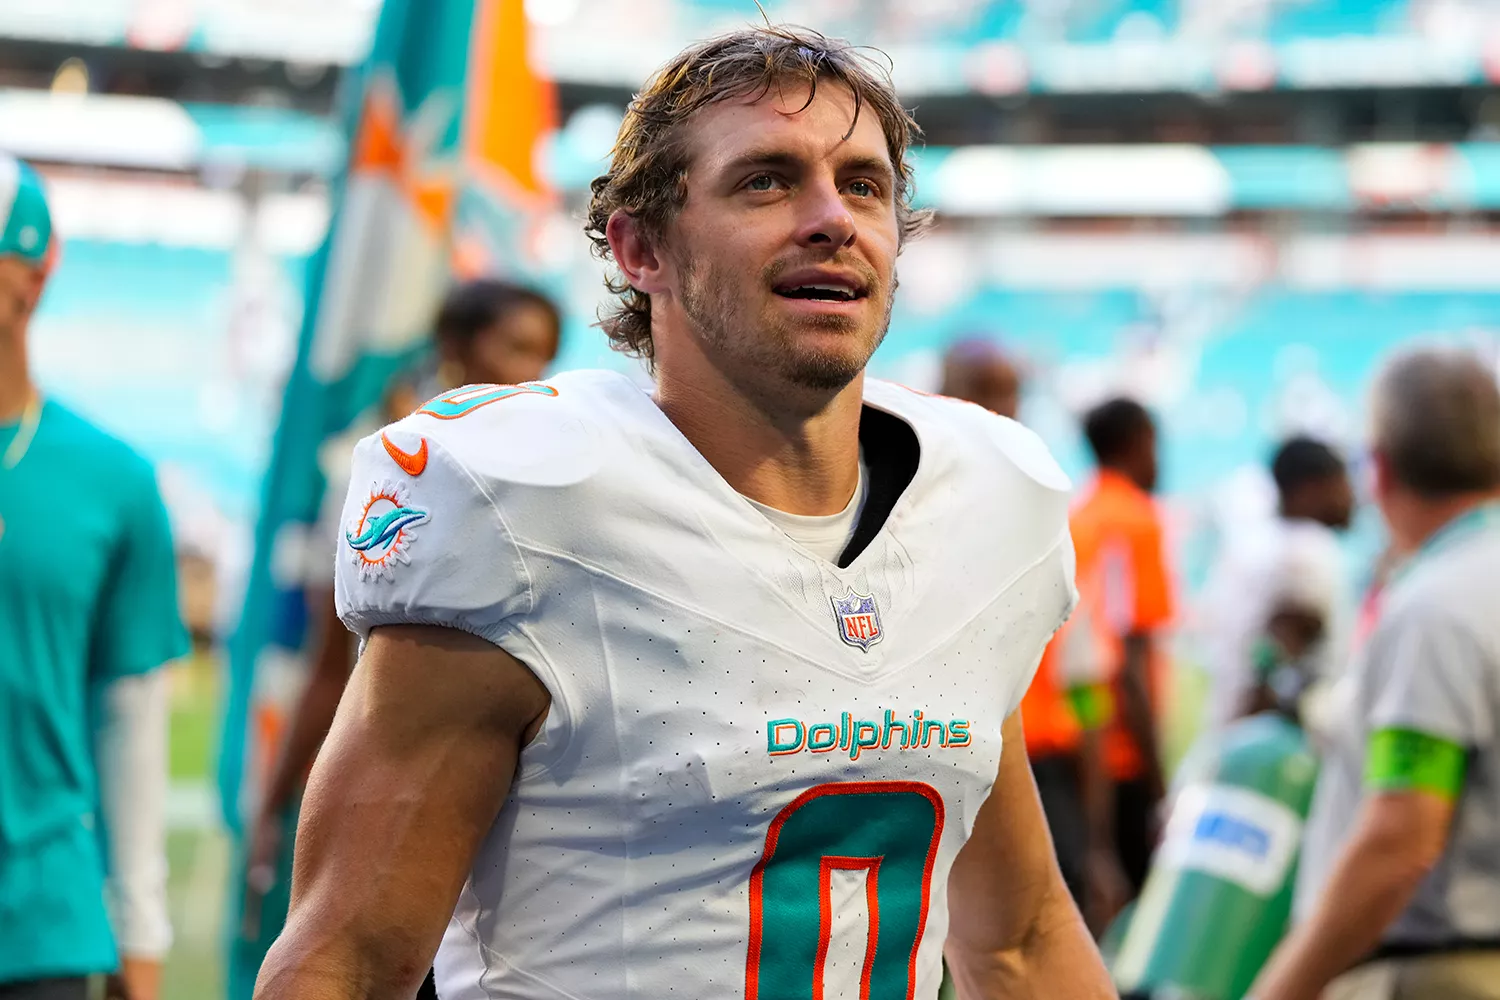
pixel 826 868
pixel 773 833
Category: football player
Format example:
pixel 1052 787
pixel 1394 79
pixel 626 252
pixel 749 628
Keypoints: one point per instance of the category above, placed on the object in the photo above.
pixel 701 693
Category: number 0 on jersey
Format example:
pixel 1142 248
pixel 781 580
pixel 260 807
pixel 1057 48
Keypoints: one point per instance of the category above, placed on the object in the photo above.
pixel 890 830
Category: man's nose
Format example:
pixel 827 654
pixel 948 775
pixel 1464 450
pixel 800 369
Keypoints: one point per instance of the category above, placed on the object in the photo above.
pixel 826 221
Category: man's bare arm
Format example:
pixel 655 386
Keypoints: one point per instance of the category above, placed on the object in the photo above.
pixel 1399 838
pixel 1014 931
pixel 417 765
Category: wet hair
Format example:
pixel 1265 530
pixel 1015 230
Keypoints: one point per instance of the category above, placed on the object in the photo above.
pixel 1114 427
pixel 648 166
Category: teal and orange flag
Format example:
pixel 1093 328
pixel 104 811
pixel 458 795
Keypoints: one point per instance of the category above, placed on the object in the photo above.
pixel 443 121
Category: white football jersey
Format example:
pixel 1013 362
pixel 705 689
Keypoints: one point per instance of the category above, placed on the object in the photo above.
pixel 758 766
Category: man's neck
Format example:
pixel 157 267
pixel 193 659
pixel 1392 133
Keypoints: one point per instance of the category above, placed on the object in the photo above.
pixel 1427 517
pixel 16 390
pixel 796 462
pixel 1294 512
pixel 1120 473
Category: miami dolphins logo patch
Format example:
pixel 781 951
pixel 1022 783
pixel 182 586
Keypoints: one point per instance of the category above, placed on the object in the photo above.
pixel 379 540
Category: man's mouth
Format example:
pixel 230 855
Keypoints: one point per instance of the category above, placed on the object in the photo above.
pixel 821 291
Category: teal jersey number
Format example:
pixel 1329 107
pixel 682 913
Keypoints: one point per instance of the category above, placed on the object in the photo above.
pixel 889 829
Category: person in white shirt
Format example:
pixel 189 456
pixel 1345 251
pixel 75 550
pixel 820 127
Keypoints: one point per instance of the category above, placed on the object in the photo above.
pixel 1398 883
pixel 1288 569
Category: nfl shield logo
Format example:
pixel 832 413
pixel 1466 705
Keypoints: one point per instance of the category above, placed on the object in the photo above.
pixel 858 619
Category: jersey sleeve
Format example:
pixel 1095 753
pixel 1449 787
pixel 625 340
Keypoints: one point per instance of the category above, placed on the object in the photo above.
pixel 424 542
pixel 1427 677
pixel 1057 593
pixel 139 625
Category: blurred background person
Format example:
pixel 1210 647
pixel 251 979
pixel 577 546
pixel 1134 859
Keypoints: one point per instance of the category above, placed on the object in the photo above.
pixel 1286 574
pixel 1065 704
pixel 88 616
pixel 978 370
pixel 1126 598
pixel 1399 867
pixel 1091 712
pixel 487 331
pixel 1067 701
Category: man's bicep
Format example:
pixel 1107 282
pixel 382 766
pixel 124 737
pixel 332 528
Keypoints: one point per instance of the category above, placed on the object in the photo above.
pixel 418 763
pixel 1429 675
pixel 1406 760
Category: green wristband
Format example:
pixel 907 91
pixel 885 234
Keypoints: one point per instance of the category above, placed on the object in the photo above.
pixel 1401 760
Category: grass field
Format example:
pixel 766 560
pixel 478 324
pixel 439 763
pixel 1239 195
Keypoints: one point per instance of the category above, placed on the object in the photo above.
pixel 197 848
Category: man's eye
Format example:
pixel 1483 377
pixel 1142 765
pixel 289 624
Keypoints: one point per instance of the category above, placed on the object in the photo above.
pixel 863 189
pixel 760 182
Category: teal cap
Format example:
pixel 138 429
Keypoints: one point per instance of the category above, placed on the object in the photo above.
pixel 25 223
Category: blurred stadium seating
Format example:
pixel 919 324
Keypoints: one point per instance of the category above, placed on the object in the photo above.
pixel 1098 44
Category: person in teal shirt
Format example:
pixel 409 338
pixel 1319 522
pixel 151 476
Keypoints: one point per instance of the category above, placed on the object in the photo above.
pixel 88 613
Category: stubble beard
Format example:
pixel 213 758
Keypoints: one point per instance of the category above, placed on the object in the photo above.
pixel 748 347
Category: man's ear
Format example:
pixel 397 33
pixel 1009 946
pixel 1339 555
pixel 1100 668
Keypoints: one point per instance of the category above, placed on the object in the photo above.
pixel 634 254
pixel 34 291
pixel 1380 469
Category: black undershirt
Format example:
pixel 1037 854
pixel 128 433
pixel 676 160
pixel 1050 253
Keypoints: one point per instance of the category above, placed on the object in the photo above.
pixel 891 454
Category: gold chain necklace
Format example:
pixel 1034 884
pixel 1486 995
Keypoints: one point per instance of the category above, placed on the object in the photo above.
pixel 21 443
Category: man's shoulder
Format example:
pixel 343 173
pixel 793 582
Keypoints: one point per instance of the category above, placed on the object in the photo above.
pixel 83 435
pixel 545 434
pixel 103 454
pixel 1309 543
pixel 1117 505
pixel 966 431
pixel 1457 585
